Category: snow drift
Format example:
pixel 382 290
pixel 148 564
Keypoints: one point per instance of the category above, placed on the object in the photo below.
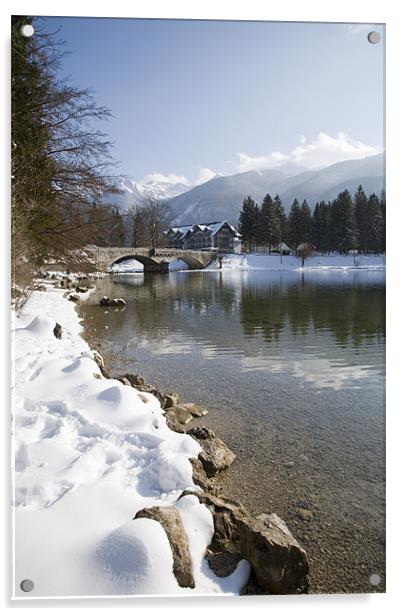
pixel 89 453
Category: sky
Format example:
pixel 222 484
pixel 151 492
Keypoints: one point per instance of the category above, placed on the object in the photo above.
pixel 193 98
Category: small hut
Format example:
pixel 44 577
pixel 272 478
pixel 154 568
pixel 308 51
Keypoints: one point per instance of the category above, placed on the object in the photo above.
pixel 305 249
pixel 282 249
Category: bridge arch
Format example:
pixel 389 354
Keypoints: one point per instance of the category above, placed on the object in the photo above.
pixel 150 263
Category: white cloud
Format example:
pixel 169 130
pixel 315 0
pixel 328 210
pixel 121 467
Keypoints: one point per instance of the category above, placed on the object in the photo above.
pixel 160 178
pixel 253 163
pixel 322 151
pixel 204 175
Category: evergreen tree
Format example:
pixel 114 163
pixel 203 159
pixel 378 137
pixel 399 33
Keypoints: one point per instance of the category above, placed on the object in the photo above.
pixel 269 223
pixel 383 208
pixel 306 222
pixel 248 221
pixel 321 226
pixel 343 221
pixel 283 221
pixel 295 225
pixel 361 210
pixel 375 225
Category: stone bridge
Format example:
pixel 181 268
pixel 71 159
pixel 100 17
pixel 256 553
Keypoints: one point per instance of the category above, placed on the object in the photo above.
pixel 154 260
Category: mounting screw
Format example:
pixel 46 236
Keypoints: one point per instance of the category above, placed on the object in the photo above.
pixel 27 585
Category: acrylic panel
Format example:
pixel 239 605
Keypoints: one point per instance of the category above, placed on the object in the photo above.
pixel 198 276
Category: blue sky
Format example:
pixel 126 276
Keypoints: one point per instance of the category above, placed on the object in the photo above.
pixel 195 98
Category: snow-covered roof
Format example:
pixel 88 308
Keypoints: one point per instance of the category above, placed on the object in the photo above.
pixel 211 227
pixel 282 246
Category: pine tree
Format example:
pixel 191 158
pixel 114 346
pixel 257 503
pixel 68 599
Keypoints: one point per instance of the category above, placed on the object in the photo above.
pixel 344 227
pixel 269 226
pixel 248 221
pixel 320 227
pixel 375 226
pixel 295 225
pixel 361 210
pixel 383 213
pixel 306 222
pixel 283 221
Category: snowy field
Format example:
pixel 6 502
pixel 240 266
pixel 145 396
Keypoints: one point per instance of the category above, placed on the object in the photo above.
pixel 264 261
pixel 89 453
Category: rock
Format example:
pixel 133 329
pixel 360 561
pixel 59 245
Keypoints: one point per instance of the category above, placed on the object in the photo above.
pixel 124 381
pixel 170 519
pixel 200 477
pixel 304 514
pixel 106 301
pixel 73 297
pixel 278 561
pixel 289 464
pixel 171 400
pixel 173 424
pixel 222 563
pixel 58 330
pixel 135 380
pixel 42 287
pixel 201 433
pixel 271 520
pixel 189 407
pixel 80 289
pixel 215 455
pixel 179 415
pixel 101 363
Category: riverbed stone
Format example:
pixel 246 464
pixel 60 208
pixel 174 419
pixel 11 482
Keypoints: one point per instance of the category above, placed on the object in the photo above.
pixel 189 407
pixel 180 415
pixel 169 518
pixel 215 455
pixel 278 561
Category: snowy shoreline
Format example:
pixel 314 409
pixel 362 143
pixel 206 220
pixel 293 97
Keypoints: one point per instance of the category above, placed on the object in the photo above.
pixel 91 452
pixel 264 261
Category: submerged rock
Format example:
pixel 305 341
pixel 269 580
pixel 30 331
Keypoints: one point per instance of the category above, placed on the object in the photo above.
pixel 278 561
pixel 215 455
pixel 169 518
pixel 107 301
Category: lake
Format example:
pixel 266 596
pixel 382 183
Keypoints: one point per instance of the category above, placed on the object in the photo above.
pixel 291 368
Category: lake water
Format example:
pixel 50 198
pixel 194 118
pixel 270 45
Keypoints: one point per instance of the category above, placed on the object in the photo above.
pixel 291 368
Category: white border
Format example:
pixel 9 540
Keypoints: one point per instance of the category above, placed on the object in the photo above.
pixel 386 11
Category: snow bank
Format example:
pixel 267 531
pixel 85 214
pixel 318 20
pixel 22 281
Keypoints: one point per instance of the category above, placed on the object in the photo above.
pixel 264 261
pixel 89 453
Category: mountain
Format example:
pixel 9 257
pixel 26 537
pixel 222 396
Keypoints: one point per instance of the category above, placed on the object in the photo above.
pixel 132 193
pixel 221 197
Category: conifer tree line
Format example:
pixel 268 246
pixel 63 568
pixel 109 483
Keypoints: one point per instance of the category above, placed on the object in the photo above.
pixel 60 161
pixel 344 224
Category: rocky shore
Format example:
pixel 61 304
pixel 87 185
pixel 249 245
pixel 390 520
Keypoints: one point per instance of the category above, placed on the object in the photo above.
pixel 279 565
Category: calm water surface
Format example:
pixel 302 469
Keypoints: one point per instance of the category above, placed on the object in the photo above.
pixel 291 368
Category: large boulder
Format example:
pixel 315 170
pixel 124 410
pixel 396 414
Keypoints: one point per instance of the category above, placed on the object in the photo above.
pixel 278 561
pixel 215 454
pixel 169 518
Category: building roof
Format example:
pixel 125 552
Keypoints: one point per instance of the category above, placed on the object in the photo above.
pixel 211 227
pixel 282 246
